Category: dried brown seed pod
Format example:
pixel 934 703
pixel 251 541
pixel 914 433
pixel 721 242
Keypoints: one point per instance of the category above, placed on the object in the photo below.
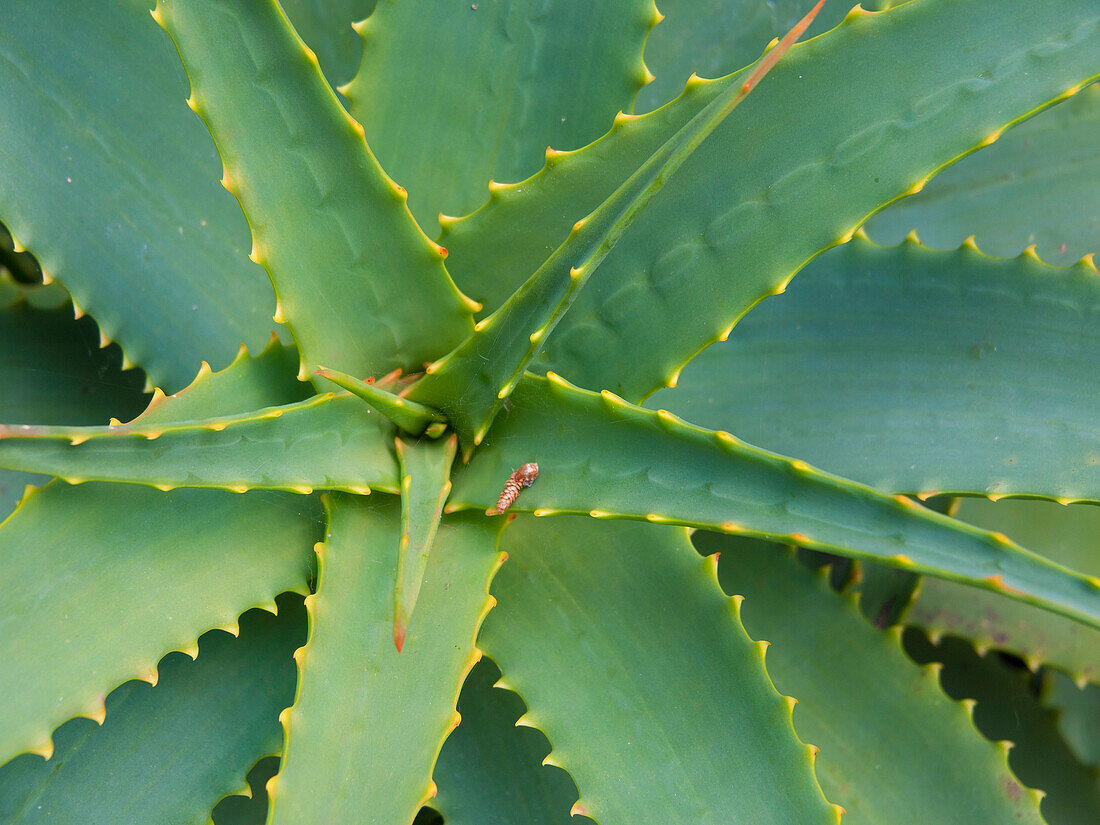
pixel 523 477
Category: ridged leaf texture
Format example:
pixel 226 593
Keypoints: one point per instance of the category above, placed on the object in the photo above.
pixel 608 672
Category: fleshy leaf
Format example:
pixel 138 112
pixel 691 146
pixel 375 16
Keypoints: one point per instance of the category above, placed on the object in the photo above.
pixel 1036 185
pixel 490 771
pixel 599 455
pixel 122 575
pixel 327 26
pixel 1078 708
pixel 712 38
pixel 819 148
pixel 1007 710
pixel 470 383
pixel 882 724
pixel 327 223
pixel 174 564
pixel 495 83
pixel 368 722
pixel 167 753
pixel 328 442
pixel 696 732
pixel 249 806
pixel 916 371
pixel 111 182
pixel 54 372
pixel 1068 536
pixel 425 484
pixel 409 416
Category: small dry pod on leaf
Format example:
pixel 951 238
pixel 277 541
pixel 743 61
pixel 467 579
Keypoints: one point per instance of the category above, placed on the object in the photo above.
pixel 523 477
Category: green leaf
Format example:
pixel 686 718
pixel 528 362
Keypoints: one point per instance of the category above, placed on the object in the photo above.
pixel 1068 536
pixel 122 575
pixel 368 722
pixel 490 770
pixel 599 455
pixel 1007 709
pixel 715 37
pixel 916 371
pixel 492 84
pixel 112 183
pixel 130 573
pixel 823 144
pixel 327 27
pixel 168 753
pixel 425 484
pixel 54 372
pixel 409 416
pixel 882 724
pixel 328 225
pixel 328 442
pixel 470 383
pixel 690 727
pixel 250 806
pixel 248 383
pixel 1036 185
pixel 1078 709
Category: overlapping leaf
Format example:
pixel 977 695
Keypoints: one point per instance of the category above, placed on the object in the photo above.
pixel 113 185
pixel 490 771
pixel 1036 185
pixel 599 455
pixel 882 724
pixel 495 83
pixel 820 147
pixel 327 223
pixel 112 576
pixel 167 753
pixel 1069 536
pixel 367 722
pixel 691 728
pixel 916 371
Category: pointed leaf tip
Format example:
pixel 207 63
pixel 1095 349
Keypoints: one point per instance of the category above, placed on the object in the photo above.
pixel 400 628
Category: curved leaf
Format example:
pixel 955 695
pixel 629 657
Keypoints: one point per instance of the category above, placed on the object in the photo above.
pixel 470 383
pixel 490 770
pixel 327 27
pixel 328 225
pixel 1078 716
pixel 367 722
pixel 112 576
pixel 110 586
pixel 494 83
pixel 54 372
pixel 250 806
pixel 112 183
pixel 882 724
pixel 1036 185
pixel 1069 536
pixel 916 371
pixel 1008 710
pixel 820 147
pixel 248 383
pixel 409 416
pixel 712 38
pixel 167 753
pixel 690 727
pixel 599 455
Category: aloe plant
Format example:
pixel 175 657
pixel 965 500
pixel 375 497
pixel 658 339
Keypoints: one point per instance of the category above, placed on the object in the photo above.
pixel 293 547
